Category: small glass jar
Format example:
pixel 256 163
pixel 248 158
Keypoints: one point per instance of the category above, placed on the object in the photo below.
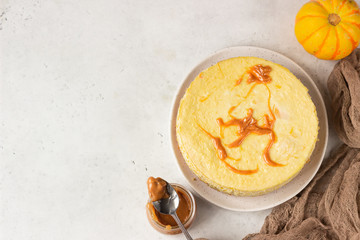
pixel 168 229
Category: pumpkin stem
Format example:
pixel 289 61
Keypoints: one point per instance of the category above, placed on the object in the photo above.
pixel 334 19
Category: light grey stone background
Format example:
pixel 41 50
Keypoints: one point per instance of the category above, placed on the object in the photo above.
pixel 86 90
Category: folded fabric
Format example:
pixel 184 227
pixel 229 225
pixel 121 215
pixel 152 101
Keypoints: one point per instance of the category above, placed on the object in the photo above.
pixel 344 89
pixel 328 208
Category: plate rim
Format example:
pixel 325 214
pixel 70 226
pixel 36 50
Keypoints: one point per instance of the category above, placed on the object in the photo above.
pixel 174 111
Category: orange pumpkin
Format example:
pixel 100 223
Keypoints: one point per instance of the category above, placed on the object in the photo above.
pixel 328 29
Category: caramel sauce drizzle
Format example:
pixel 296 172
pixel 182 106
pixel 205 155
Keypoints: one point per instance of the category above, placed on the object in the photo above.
pixel 222 155
pixel 258 74
pixel 246 126
pixel 239 81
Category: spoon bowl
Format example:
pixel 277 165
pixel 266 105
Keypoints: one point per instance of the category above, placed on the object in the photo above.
pixel 168 205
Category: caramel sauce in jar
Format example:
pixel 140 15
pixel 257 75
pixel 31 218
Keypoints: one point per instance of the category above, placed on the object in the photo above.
pixel 186 212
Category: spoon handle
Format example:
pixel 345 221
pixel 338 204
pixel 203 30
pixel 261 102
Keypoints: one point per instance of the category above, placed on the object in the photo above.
pixel 181 226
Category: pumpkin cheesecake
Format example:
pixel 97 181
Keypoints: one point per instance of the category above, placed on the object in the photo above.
pixel 246 126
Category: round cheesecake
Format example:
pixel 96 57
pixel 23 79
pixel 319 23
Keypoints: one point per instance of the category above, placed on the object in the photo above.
pixel 246 126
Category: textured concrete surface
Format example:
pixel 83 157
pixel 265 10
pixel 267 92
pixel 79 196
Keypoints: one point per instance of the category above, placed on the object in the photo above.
pixel 86 90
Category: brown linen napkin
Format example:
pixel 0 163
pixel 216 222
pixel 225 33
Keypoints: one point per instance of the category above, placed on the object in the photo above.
pixel 328 208
pixel 344 89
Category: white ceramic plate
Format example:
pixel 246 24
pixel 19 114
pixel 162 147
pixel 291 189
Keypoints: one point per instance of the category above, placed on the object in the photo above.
pixel 287 191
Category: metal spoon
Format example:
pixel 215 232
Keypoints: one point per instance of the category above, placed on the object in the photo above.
pixel 169 206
